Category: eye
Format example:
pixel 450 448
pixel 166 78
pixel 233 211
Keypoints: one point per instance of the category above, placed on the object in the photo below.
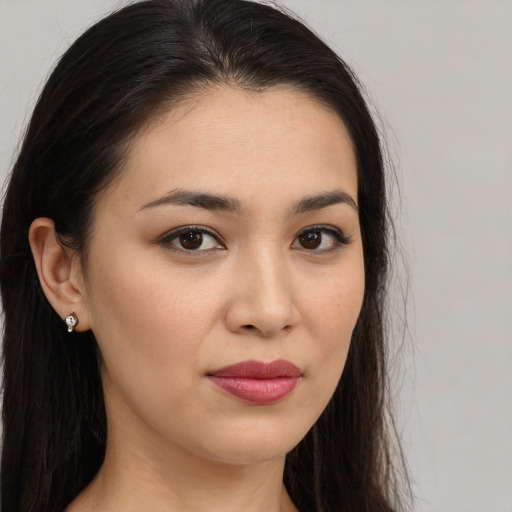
pixel 191 239
pixel 320 238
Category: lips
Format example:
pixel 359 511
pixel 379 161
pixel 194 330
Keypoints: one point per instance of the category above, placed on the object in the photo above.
pixel 256 382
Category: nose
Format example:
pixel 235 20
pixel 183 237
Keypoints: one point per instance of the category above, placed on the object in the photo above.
pixel 263 300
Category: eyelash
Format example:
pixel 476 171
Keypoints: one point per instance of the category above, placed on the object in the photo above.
pixel 175 233
pixel 339 238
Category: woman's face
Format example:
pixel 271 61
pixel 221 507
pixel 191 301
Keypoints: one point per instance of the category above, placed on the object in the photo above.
pixel 232 236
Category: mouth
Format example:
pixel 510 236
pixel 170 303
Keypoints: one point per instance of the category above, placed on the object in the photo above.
pixel 256 382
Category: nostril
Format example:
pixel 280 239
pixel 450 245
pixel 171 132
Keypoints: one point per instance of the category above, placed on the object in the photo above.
pixel 249 326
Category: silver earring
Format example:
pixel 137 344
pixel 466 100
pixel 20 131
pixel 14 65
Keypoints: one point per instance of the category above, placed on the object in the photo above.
pixel 71 322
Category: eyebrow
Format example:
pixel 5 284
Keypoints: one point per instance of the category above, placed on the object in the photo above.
pixel 319 201
pixel 228 204
pixel 199 200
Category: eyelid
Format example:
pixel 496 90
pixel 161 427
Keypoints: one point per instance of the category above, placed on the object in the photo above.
pixel 341 238
pixel 176 232
pixel 337 233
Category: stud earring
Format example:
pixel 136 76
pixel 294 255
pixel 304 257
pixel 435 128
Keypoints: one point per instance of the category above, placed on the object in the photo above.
pixel 71 322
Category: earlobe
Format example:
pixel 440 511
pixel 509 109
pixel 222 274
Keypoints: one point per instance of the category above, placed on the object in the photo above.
pixel 58 272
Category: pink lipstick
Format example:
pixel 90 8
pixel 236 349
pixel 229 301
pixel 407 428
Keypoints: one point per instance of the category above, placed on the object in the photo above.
pixel 256 382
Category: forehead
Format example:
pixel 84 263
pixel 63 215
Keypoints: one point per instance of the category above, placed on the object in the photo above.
pixel 240 143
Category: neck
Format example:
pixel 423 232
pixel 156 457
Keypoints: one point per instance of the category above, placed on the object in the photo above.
pixel 149 475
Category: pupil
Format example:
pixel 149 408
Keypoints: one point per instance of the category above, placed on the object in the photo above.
pixel 311 239
pixel 191 240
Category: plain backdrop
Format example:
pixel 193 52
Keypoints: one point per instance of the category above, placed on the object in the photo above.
pixel 438 72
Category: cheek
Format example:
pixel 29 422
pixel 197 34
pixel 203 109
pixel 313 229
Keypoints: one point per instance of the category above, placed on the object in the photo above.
pixel 151 330
pixel 332 315
pixel 335 306
pixel 139 312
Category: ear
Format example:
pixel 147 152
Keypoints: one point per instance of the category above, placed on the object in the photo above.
pixel 60 273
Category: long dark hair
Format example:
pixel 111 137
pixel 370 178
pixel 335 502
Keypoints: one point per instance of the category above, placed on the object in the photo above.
pixel 129 67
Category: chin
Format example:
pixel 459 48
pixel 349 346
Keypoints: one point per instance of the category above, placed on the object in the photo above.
pixel 250 455
pixel 254 447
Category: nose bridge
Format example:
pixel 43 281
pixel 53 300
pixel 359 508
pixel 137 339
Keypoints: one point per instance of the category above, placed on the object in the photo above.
pixel 265 299
pixel 270 279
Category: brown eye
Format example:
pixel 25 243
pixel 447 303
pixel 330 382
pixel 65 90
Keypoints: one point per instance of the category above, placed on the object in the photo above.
pixel 320 239
pixel 191 240
pixel 310 239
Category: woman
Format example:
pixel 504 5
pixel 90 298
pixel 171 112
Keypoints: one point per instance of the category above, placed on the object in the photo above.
pixel 193 267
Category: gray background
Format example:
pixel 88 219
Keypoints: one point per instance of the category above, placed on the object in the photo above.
pixel 439 75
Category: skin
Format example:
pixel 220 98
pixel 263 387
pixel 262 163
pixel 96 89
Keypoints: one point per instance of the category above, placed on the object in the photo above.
pixel 164 317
